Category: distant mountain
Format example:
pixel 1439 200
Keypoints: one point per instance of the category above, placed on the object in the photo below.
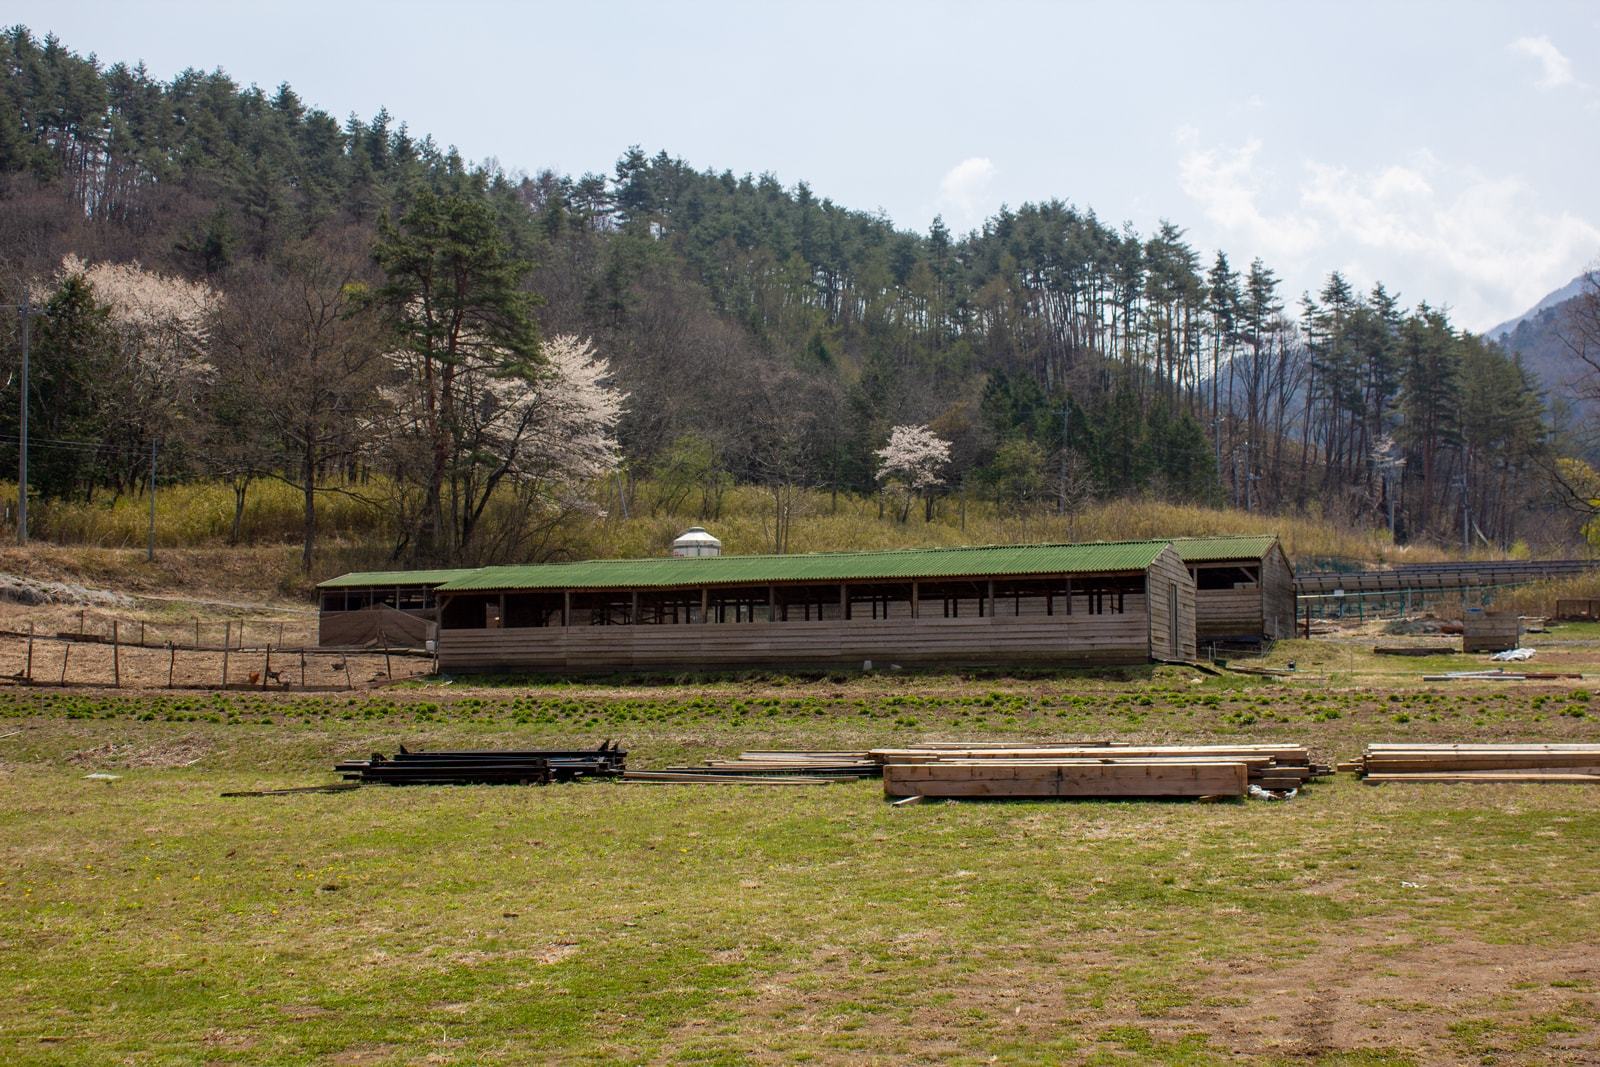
pixel 1536 336
pixel 1560 296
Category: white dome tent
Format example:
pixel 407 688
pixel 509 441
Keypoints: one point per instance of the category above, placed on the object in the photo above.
pixel 695 541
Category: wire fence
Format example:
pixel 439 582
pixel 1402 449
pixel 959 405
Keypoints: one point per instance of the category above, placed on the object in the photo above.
pixel 91 657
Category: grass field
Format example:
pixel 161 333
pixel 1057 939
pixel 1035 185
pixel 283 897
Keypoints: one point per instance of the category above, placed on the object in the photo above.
pixel 150 920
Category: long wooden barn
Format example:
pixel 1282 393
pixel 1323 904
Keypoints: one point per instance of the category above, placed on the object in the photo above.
pixel 1244 587
pixel 1110 603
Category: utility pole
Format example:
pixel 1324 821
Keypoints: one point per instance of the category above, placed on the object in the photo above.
pixel 150 551
pixel 1066 416
pixel 22 423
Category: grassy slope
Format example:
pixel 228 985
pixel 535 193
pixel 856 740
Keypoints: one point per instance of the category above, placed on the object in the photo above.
pixel 153 920
pixel 197 517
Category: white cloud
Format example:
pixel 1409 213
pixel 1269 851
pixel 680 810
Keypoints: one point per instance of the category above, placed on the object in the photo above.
pixel 964 192
pixel 1481 244
pixel 1485 246
pixel 1227 188
pixel 1556 68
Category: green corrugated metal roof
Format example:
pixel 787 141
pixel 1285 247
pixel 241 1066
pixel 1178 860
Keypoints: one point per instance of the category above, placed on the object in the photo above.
pixel 1209 549
pixel 373 579
pixel 894 565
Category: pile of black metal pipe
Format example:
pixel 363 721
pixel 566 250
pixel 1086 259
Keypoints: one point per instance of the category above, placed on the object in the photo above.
pixel 531 767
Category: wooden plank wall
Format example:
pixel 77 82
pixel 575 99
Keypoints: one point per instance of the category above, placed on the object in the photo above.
pixel 1490 633
pixel 1232 612
pixel 1169 568
pixel 1277 595
pixel 1061 639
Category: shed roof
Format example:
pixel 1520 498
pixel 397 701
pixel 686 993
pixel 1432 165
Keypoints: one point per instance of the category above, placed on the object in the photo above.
pixel 1228 546
pixel 891 565
pixel 390 579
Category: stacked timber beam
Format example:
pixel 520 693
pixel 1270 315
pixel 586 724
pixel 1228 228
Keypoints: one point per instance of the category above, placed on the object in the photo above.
pixel 769 768
pixel 1478 763
pixel 535 767
pixel 1093 770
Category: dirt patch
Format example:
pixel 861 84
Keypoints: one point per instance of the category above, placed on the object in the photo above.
pixel 16 589
pixel 180 752
pixel 1433 1003
pixel 1360 993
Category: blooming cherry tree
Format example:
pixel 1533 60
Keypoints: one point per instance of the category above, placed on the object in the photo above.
pixel 545 432
pixel 913 459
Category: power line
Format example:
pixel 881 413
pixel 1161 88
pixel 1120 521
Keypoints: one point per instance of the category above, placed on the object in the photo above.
pixel 84 446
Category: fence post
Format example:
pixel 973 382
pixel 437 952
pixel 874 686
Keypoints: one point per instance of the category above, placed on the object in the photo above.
pixel 28 671
pixel 116 657
pixel 172 662
pixel 66 654
pixel 224 664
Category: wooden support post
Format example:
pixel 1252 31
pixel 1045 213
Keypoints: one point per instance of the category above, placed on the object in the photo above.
pixel 116 657
pixel 66 654
pixel 141 633
pixel 348 683
pixel 197 631
pixel 266 666
pixel 916 599
pixel 172 662
pixel 225 647
pixel 566 607
pixel 280 630
pixel 772 603
pixel 227 635
pixel 705 605
pixel 27 672
pixel 80 620
pixel 388 668
pixel 844 601
pixel 302 668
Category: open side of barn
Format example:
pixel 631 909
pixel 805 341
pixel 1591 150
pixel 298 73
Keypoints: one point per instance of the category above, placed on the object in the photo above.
pixel 1100 604
pixel 1244 587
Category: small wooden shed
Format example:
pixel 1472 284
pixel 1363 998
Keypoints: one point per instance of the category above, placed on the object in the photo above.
pixel 1108 603
pixel 394 608
pixel 1244 587
pixel 1483 631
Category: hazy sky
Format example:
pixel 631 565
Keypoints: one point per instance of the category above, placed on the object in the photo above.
pixel 1448 149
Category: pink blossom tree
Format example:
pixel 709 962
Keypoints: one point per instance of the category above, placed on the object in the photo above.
pixel 913 462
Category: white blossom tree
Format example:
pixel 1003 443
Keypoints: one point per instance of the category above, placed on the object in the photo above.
pixel 544 434
pixel 913 460
pixel 163 326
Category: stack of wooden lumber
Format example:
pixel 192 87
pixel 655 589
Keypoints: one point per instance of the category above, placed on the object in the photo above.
pixel 1093 770
pixel 770 768
pixel 1478 763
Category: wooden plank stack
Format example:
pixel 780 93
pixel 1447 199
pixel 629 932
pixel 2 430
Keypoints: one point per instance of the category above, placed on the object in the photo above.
pixel 1478 763
pixel 1096 769
pixel 770 768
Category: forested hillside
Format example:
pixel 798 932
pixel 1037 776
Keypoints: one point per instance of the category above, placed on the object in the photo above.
pixel 238 286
